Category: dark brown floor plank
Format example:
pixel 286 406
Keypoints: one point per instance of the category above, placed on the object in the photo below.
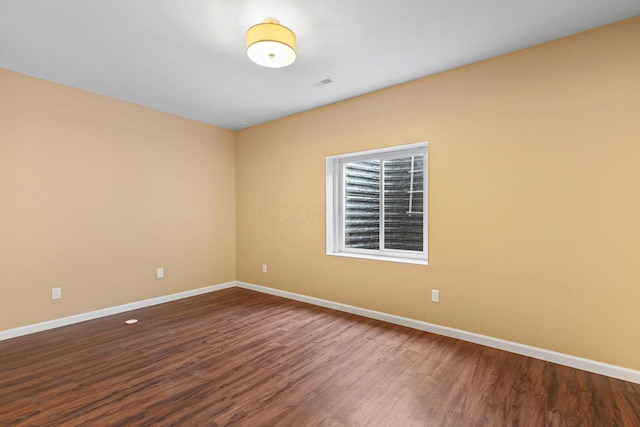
pixel 241 358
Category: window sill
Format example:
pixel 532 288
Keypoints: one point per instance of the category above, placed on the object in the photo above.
pixel 414 261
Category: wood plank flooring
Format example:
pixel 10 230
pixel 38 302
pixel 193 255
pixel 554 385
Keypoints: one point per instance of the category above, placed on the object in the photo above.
pixel 241 358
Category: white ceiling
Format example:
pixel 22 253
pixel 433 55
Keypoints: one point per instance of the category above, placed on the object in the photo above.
pixel 187 57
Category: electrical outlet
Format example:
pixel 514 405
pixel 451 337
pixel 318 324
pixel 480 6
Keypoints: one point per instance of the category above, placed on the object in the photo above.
pixel 160 273
pixel 56 293
pixel 435 295
pixel 264 268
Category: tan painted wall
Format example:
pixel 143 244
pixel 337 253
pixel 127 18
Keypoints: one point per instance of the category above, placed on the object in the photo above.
pixel 95 194
pixel 534 180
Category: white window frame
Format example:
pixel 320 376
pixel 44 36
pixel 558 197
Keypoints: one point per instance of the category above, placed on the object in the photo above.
pixel 335 205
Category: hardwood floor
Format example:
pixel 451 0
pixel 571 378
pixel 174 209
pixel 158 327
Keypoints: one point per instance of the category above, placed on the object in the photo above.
pixel 241 358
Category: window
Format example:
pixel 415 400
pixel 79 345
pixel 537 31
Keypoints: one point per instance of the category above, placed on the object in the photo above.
pixel 377 204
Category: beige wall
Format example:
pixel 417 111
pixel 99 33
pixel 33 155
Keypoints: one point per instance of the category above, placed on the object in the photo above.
pixel 95 194
pixel 534 197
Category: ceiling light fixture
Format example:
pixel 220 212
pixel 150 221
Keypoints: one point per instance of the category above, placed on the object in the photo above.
pixel 271 45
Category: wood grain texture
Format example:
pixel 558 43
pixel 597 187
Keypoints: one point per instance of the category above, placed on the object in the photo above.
pixel 241 358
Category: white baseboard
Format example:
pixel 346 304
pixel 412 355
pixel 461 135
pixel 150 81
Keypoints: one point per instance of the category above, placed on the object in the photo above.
pixel 513 347
pixel 64 321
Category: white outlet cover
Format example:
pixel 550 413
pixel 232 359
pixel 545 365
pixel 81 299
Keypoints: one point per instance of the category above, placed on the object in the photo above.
pixel 435 295
pixel 160 273
pixel 56 293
